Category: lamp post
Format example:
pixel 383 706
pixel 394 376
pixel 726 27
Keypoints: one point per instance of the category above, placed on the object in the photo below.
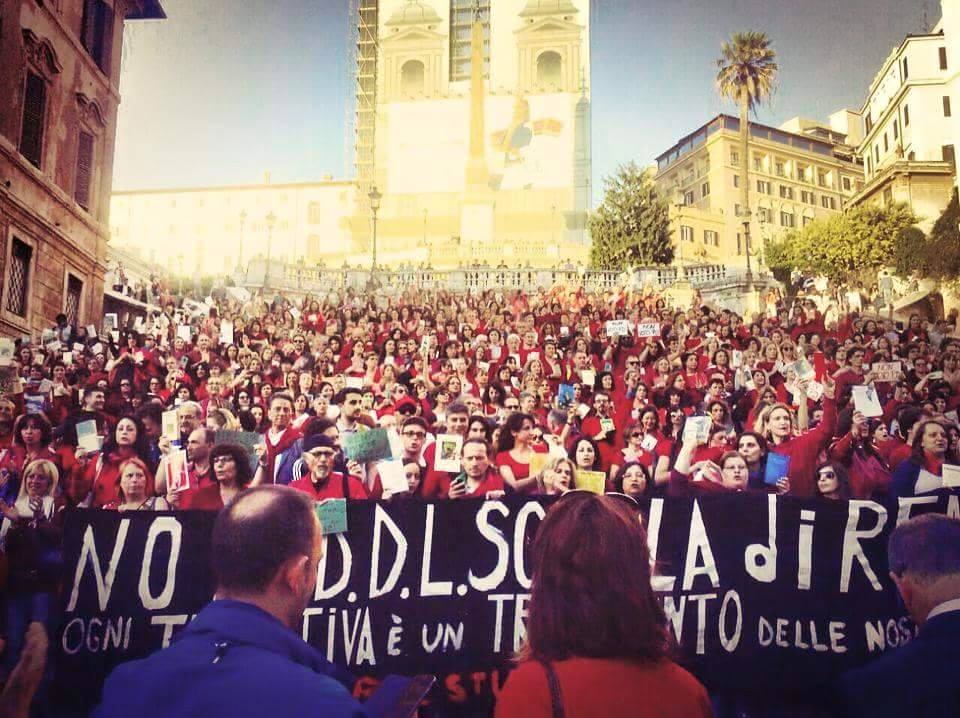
pixel 243 221
pixel 271 220
pixel 180 263
pixel 375 198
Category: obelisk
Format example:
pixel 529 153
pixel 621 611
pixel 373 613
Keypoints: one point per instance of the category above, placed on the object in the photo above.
pixel 476 212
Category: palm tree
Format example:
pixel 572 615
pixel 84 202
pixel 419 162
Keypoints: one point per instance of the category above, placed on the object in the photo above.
pixel 746 72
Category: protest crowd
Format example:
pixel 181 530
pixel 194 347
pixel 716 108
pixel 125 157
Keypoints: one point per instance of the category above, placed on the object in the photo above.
pixel 435 395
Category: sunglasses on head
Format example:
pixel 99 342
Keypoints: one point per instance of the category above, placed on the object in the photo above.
pixel 581 494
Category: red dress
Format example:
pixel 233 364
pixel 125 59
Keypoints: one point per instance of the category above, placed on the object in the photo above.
pixel 612 688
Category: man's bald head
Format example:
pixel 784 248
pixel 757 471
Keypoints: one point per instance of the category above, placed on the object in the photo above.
pixel 257 533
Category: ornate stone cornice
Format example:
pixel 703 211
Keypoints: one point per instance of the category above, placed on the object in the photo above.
pixel 91 112
pixel 40 54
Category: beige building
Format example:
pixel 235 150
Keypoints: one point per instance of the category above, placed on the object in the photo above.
pixel 487 166
pixel 798 172
pixel 910 129
pixel 212 230
pixel 59 84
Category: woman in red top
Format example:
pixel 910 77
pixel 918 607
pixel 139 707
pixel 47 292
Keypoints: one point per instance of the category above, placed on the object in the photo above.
pixel 516 452
pixel 232 471
pixel 581 658
pixel 101 477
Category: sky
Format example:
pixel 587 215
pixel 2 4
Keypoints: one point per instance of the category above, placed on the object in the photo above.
pixel 225 90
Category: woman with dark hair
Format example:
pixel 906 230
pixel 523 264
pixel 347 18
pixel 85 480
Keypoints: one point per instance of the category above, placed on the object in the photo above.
pixel 833 482
pixel 753 449
pixel 633 479
pixel 516 451
pixel 478 427
pixel 581 657
pixel 855 450
pixel 99 480
pixel 232 471
pixel 32 434
pixel 922 473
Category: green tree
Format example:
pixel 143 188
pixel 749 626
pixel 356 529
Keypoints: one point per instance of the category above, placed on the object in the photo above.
pixel 849 246
pixel 746 73
pixel 937 256
pixel 632 226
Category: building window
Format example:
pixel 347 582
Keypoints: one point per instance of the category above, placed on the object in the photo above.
pixel 802 173
pixel 946 106
pixel 734 158
pixel 711 237
pixel 757 163
pixel 763 187
pixel 869 122
pixel 737 210
pixel 781 170
pixel 807 197
pixel 823 178
pixel 81 190
pixel 549 70
pixel 313 213
pixel 846 184
pixel 807 220
pixel 688 198
pixel 71 301
pixel 97 32
pixel 412 78
pixel 886 143
pixel 943 58
pixel 788 219
pixel 34 109
pixel 876 154
pixel 686 233
pixel 786 192
pixel 18 278
pixel 906 70
pixel 763 214
pixel 705 189
pixel 736 180
pixel 828 202
pixel 949 156
pixel 896 130
pixel 906 116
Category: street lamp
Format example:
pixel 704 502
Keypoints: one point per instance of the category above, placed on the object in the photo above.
pixel 375 198
pixel 243 220
pixel 271 220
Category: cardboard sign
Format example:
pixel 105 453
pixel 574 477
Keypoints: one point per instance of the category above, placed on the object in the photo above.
pixel 249 440
pixel 333 515
pixel 778 466
pixel 87 439
pixel 68 358
pixel 178 473
pixel 110 323
pixel 814 391
pixel 736 358
pixel 171 425
pixel 183 332
pixel 354 382
pixel 649 443
pixel 583 410
pixel 91 331
pixel 697 428
pixel 393 478
pixel 537 463
pixel 618 328
pixel 565 395
pixel 447 456
pixel 365 446
pixel 34 403
pixel 951 476
pixel 887 372
pixel 593 481
pixel 648 330
pixel 804 369
pixel 588 377
pixel 226 332
pixel 606 425
pixel 866 401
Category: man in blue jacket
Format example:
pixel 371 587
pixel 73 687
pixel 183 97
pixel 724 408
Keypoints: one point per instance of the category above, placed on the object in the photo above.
pixel 241 655
pixel 918 679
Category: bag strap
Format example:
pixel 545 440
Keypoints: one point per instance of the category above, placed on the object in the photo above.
pixel 556 697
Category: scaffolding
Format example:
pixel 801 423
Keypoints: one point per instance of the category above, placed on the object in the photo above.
pixel 365 122
pixel 461 25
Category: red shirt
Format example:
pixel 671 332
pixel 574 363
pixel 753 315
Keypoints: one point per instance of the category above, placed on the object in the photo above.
pixel 612 688
pixel 332 488
pixel 491 482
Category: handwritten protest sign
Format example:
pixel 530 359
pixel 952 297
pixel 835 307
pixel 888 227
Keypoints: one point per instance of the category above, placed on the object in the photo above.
pixel 393 477
pixel 648 330
pixel 333 515
pixel 178 473
pixel 618 327
pixel 887 372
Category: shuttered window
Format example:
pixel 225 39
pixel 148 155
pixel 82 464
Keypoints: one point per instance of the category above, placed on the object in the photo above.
pixel 18 278
pixel 84 170
pixel 31 131
pixel 97 32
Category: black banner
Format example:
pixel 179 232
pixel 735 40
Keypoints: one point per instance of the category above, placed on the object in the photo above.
pixel 769 597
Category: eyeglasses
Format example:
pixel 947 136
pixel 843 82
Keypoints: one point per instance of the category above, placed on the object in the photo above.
pixel 325 453
pixel 415 434
pixel 223 460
